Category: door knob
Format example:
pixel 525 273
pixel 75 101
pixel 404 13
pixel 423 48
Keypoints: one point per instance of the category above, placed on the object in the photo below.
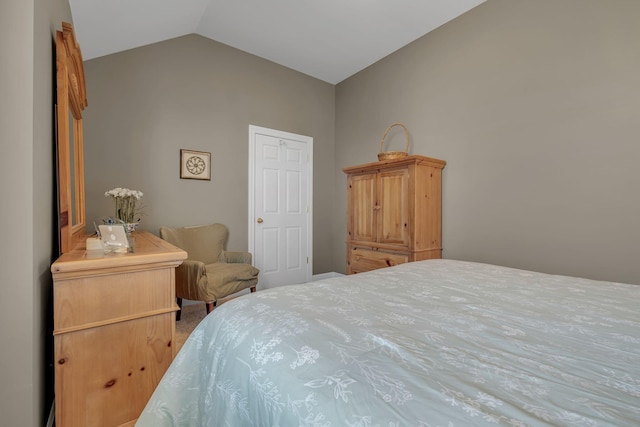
pixel 260 220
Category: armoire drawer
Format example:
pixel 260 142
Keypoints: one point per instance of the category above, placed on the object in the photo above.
pixel 361 260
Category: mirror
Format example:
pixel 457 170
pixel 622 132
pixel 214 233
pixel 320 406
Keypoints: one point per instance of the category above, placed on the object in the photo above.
pixel 71 101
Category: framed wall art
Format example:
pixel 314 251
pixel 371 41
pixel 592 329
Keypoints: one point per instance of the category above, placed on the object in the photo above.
pixel 195 165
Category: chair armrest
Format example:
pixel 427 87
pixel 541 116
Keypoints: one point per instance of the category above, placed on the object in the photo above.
pixel 235 257
pixel 190 271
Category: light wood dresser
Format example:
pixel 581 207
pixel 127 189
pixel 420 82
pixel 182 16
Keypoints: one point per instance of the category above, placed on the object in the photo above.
pixel 394 212
pixel 114 330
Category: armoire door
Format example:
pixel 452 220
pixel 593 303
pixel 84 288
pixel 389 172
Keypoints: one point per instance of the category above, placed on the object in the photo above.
pixel 362 207
pixel 394 220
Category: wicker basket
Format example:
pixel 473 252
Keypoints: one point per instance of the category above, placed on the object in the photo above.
pixel 390 155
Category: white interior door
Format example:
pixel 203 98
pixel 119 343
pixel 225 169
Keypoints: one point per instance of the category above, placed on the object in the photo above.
pixel 280 212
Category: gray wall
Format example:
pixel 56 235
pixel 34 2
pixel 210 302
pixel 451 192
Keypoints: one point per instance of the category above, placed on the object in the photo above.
pixel 534 105
pixel 190 92
pixel 27 30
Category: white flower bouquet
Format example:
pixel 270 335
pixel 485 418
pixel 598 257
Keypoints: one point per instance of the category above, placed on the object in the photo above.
pixel 125 200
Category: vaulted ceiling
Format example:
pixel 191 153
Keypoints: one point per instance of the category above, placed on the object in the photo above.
pixel 327 39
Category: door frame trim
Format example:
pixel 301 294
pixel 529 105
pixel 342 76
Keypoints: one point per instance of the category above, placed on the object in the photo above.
pixel 253 130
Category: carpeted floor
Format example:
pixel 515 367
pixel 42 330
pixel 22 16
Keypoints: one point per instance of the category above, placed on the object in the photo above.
pixel 192 314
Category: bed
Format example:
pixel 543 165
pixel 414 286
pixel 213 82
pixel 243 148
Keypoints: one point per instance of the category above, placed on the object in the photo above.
pixel 429 343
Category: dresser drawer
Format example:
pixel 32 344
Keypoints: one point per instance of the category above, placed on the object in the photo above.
pixel 83 301
pixel 361 260
pixel 105 375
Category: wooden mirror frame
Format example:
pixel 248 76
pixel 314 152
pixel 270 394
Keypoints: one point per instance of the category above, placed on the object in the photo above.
pixel 71 101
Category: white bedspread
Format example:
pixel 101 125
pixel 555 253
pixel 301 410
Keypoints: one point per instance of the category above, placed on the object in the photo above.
pixel 432 343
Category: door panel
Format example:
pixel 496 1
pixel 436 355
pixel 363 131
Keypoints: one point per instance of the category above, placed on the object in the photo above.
pixel 294 247
pixel 269 259
pixel 270 191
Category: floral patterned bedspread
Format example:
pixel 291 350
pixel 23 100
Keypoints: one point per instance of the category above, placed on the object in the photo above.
pixel 431 343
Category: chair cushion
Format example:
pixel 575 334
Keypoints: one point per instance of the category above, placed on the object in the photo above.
pixel 202 243
pixel 226 279
pixel 221 272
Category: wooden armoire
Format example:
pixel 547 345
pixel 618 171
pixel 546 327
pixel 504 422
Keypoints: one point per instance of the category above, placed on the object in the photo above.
pixel 394 212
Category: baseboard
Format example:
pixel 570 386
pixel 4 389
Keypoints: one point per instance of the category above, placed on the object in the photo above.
pixel 52 414
pixel 323 276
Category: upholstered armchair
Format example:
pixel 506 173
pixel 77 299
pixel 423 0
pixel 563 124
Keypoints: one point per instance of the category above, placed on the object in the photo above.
pixel 210 272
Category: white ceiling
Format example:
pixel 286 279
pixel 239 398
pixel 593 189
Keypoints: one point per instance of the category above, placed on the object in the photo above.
pixel 327 39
